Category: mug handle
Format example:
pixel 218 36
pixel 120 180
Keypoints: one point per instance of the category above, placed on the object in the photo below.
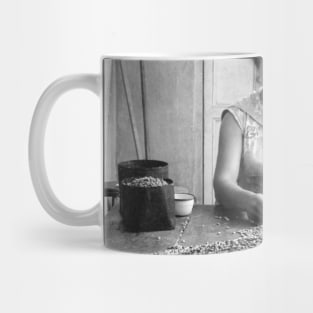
pixel 45 194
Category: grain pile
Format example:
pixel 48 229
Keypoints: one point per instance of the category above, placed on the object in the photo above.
pixel 144 182
pixel 248 238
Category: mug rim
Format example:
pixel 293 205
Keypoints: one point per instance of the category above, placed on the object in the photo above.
pixel 180 56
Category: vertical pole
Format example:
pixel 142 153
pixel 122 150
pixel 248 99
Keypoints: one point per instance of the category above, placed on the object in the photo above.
pixel 143 97
pixel 203 129
pixel 131 114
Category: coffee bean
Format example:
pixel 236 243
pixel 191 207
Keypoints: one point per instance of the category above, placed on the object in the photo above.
pixel 249 238
pixel 144 182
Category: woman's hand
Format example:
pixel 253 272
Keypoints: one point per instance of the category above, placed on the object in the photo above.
pixel 255 213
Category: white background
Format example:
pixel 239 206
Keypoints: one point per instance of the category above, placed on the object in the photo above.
pixel 49 267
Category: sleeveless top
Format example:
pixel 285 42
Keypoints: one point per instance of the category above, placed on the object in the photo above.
pixel 248 113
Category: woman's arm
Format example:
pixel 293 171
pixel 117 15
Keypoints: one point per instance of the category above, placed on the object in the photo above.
pixel 227 190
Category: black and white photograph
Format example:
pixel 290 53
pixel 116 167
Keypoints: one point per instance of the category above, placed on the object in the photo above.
pixel 183 154
pixel 156 156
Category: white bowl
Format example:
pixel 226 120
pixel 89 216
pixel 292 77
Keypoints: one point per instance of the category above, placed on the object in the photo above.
pixel 184 203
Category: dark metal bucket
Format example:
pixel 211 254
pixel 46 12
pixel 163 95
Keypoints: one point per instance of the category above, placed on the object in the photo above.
pixel 141 168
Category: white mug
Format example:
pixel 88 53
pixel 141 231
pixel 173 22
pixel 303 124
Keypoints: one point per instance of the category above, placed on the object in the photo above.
pixel 188 124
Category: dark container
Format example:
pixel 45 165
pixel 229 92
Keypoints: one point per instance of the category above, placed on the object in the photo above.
pixel 147 209
pixel 141 168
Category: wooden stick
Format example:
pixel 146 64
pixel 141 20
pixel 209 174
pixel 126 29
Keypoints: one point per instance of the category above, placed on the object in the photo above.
pixel 131 114
pixel 143 97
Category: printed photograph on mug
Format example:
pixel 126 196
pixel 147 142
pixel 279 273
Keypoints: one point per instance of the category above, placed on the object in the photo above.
pixel 183 154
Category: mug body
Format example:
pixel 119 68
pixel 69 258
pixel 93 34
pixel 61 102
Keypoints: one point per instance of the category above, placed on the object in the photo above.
pixel 182 131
